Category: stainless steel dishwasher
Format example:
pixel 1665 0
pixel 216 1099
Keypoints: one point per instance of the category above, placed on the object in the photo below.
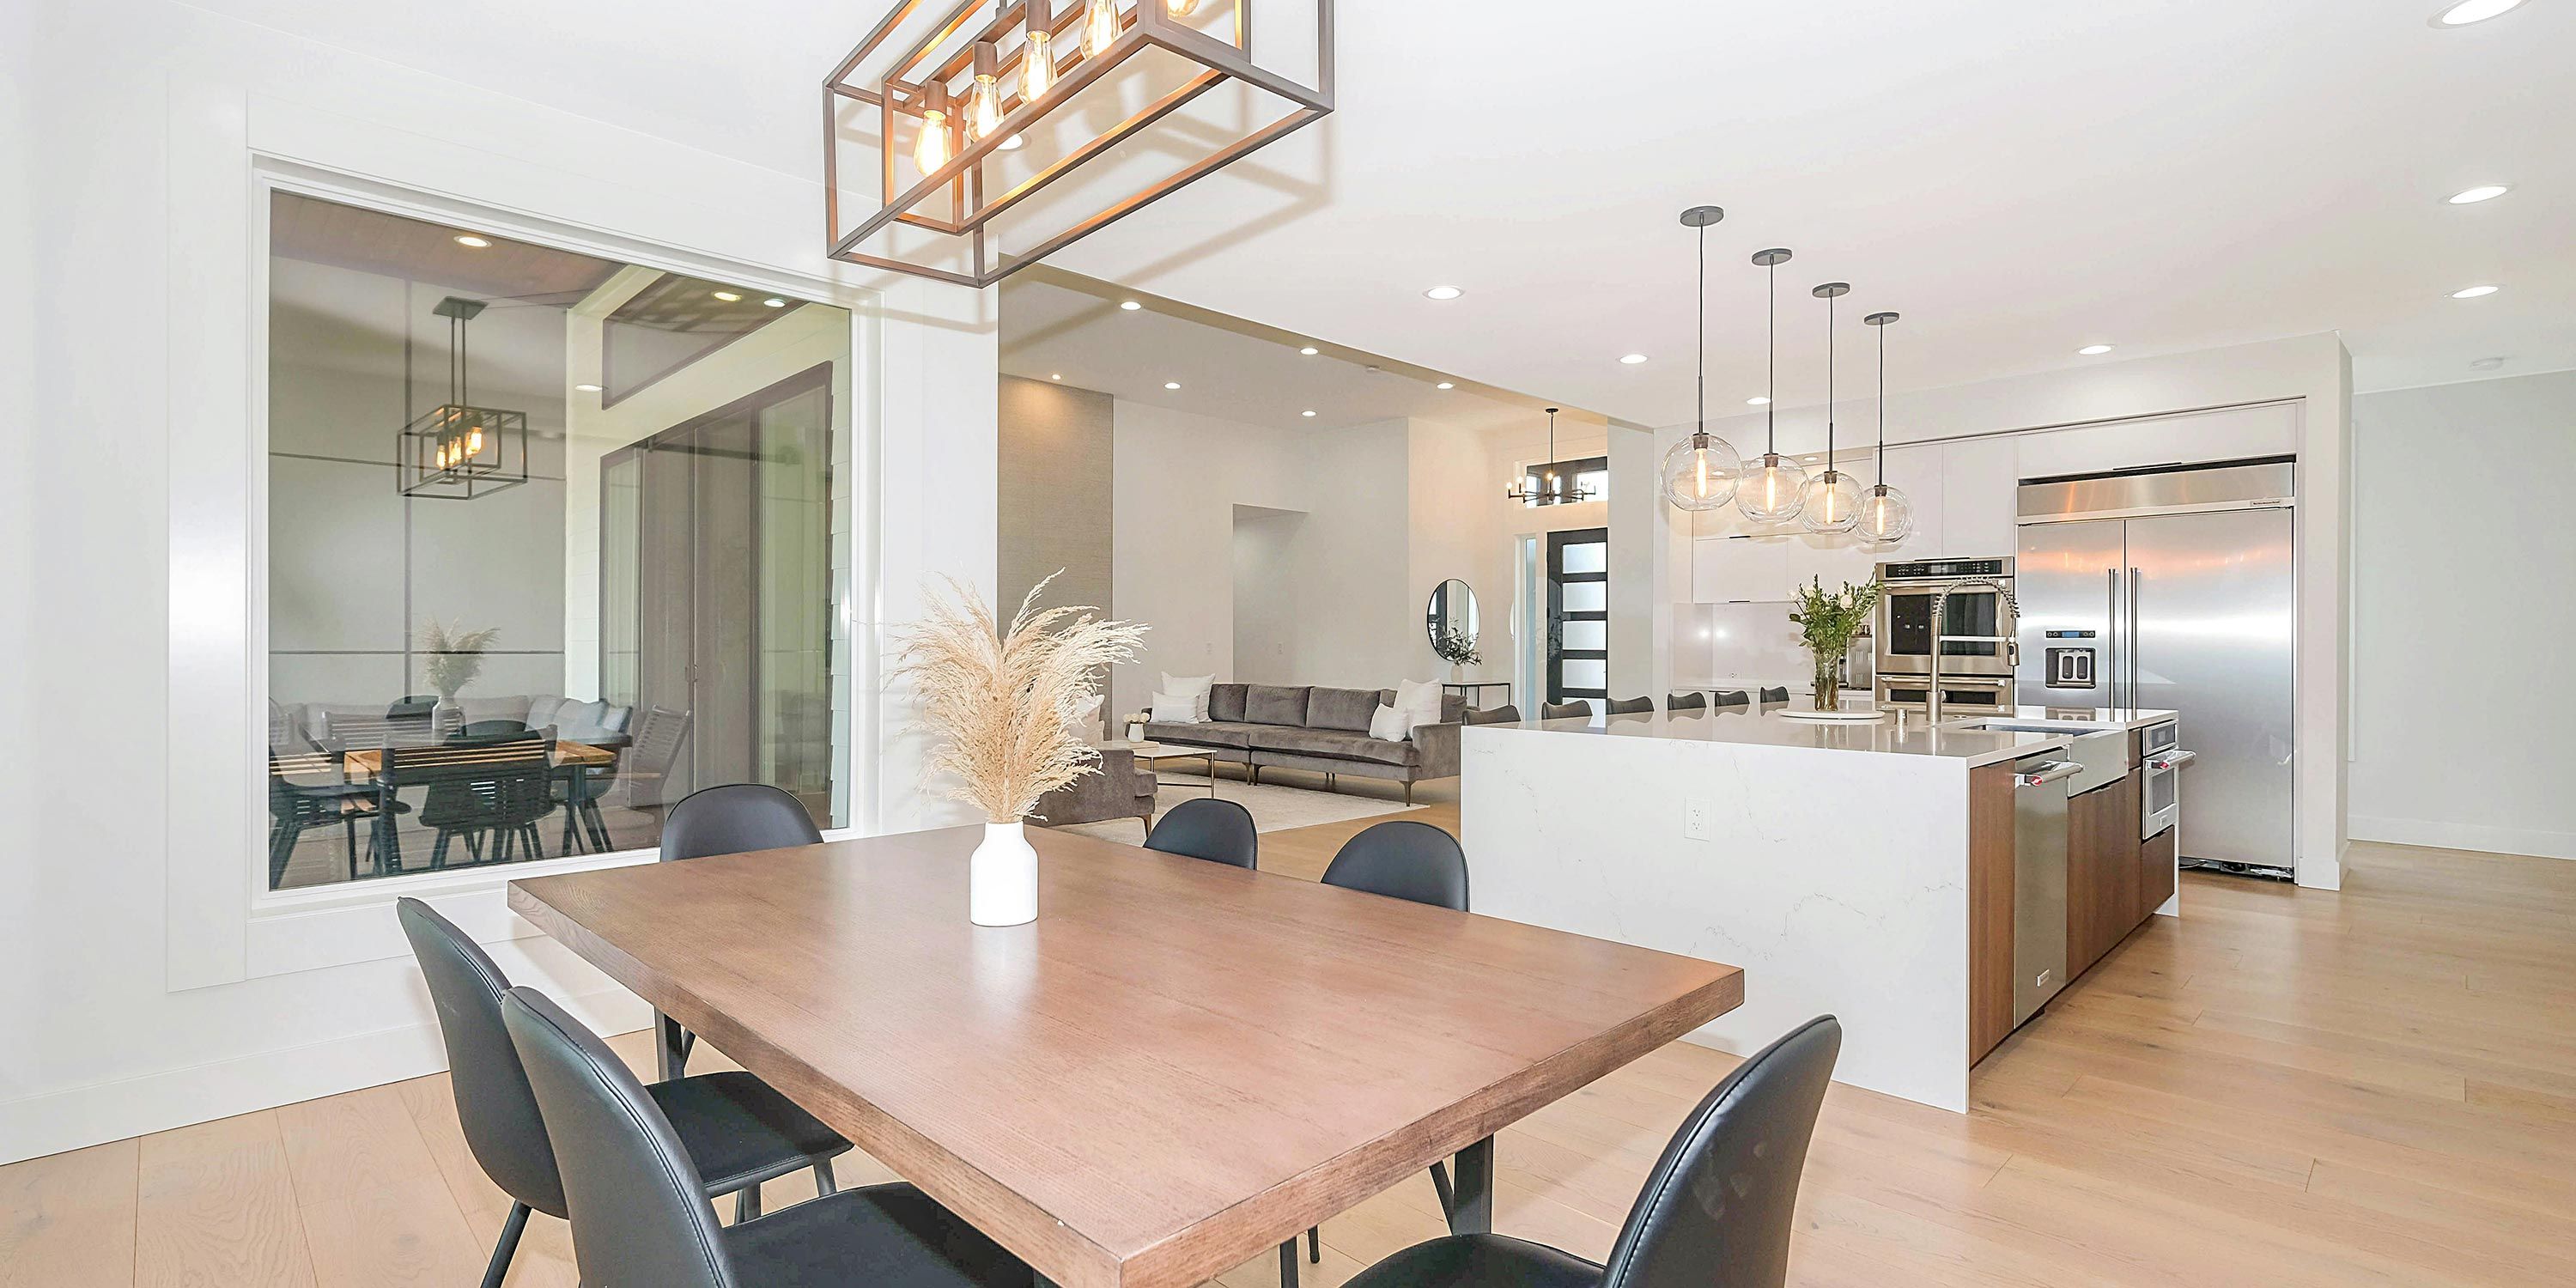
pixel 2039 879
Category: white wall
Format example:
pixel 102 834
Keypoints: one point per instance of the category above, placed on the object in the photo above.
pixel 151 985
pixel 1979 470
pixel 1265 595
pixel 2457 738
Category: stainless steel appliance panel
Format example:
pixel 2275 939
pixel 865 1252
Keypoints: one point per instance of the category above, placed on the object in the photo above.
pixel 2160 778
pixel 2069 586
pixel 2231 485
pixel 1905 629
pixel 1961 695
pixel 2039 881
pixel 2215 597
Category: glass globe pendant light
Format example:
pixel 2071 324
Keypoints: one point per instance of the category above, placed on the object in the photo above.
pixel 1831 505
pixel 1700 472
pixel 1774 489
pixel 1886 514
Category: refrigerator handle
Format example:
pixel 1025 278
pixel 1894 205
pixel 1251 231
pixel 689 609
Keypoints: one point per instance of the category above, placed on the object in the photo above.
pixel 2111 634
pixel 2131 651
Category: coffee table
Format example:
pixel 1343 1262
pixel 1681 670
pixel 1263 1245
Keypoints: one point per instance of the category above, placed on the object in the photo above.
pixel 1152 754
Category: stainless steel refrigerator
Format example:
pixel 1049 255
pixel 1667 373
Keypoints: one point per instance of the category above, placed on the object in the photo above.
pixel 2177 588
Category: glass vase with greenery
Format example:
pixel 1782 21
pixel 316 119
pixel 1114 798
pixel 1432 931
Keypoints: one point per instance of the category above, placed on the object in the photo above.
pixel 1828 622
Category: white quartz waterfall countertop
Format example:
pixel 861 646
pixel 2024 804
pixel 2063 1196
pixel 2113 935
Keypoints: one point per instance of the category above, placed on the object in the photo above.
pixel 1768 728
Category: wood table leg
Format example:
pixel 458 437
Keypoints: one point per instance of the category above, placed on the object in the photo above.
pixel 1471 1208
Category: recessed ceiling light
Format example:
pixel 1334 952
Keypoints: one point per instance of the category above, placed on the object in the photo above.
pixel 1632 359
pixel 588 389
pixel 1057 376
pixel 2092 349
pixel 469 239
pixel 1129 305
pixel 775 302
pixel 1757 401
pixel 1013 143
pixel 2473 292
pixel 1305 413
pixel 2482 192
pixel 1171 384
pixel 2487 364
pixel 1310 351
pixel 1446 384
pixel 2469 11
pixel 1443 293
pixel 728 297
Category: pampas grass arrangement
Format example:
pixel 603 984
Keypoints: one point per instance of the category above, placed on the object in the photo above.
pixel 1007 706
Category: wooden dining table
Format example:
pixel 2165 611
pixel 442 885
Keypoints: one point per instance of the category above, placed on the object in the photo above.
pixel 1176 1067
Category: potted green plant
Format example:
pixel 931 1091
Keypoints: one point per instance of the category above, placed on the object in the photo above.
pixel 1828 621
pixel 1457 648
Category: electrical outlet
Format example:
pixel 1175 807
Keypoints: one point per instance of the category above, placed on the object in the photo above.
pixel 1695 819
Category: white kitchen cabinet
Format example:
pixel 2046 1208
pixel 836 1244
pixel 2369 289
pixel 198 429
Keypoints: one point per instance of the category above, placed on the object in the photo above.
pixel 1980 483
pixel 1830 560
pixel 1917 472
pixel 1727 569
pixel 2231 434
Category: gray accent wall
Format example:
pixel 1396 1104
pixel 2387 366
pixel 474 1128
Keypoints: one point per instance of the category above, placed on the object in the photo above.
pixel 1056 467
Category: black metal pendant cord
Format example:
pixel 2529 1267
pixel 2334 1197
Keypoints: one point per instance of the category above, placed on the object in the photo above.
pixel 1703 330
pixel 1771 382
pixel 1829 381
pixel 1882 406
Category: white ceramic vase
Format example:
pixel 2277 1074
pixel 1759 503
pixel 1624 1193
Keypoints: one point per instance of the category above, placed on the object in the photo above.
pixel 1002 877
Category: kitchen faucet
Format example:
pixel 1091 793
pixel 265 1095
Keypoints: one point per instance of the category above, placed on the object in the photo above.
pixel 1940 615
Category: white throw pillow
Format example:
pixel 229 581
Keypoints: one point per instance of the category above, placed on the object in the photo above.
pixel 1188 686
pixel 1389 723
pixel 1169 709
pixel 1419 700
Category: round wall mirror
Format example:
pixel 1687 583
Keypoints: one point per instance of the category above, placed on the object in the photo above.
pixel 1451 617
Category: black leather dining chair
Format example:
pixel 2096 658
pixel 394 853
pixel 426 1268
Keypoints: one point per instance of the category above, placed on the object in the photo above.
pixel 734 1130
pixel 1691 701
pixel 1731 698
pixel 1219 831
pixel 1401 859
pixel 637 1198
pixel 1715 1213
pixel 736 818
pixel 1631 706
pixel 1780 694
pixel 1564 710
pixel 1504 714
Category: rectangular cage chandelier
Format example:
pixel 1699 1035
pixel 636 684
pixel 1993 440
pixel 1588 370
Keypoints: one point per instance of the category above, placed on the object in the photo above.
pixel 1038 123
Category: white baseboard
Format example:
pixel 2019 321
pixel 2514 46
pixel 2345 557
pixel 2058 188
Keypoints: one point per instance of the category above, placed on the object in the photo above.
pixel 82 1116
pixel 2463 836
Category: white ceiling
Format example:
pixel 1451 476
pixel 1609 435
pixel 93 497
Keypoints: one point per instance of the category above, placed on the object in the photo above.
pixel 1077 333
pixel 2018 177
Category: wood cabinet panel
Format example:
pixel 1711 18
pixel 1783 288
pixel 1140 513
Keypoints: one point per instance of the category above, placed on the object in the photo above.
pixel 2101 872
pixel 2155 872
pixel 1990 908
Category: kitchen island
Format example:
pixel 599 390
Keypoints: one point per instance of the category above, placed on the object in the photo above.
pixel 1862 869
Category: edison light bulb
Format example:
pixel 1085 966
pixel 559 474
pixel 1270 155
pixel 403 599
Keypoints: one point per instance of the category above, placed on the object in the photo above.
pixel 474 443
pixel 930 147
pixel 1099 26
pixel 1773 491
pixel 1886 516
pixel 983 107
pixel 1701 472
pixel 1037 66
pixel 1831 504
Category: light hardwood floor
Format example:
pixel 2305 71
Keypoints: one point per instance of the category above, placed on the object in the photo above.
pixel 2286 1087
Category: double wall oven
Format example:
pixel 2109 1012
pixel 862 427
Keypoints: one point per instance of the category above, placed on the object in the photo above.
pixel 1976 675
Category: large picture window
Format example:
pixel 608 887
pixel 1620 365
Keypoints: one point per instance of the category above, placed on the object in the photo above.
pixel 552 541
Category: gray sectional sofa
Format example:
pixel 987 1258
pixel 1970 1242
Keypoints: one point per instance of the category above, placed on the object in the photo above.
pixel 1321 729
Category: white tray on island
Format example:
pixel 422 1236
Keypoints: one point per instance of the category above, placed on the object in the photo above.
pixel 1841 714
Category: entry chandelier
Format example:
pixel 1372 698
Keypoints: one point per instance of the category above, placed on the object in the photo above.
pixel 978 112
pixel 1551 486
pixel 459 451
